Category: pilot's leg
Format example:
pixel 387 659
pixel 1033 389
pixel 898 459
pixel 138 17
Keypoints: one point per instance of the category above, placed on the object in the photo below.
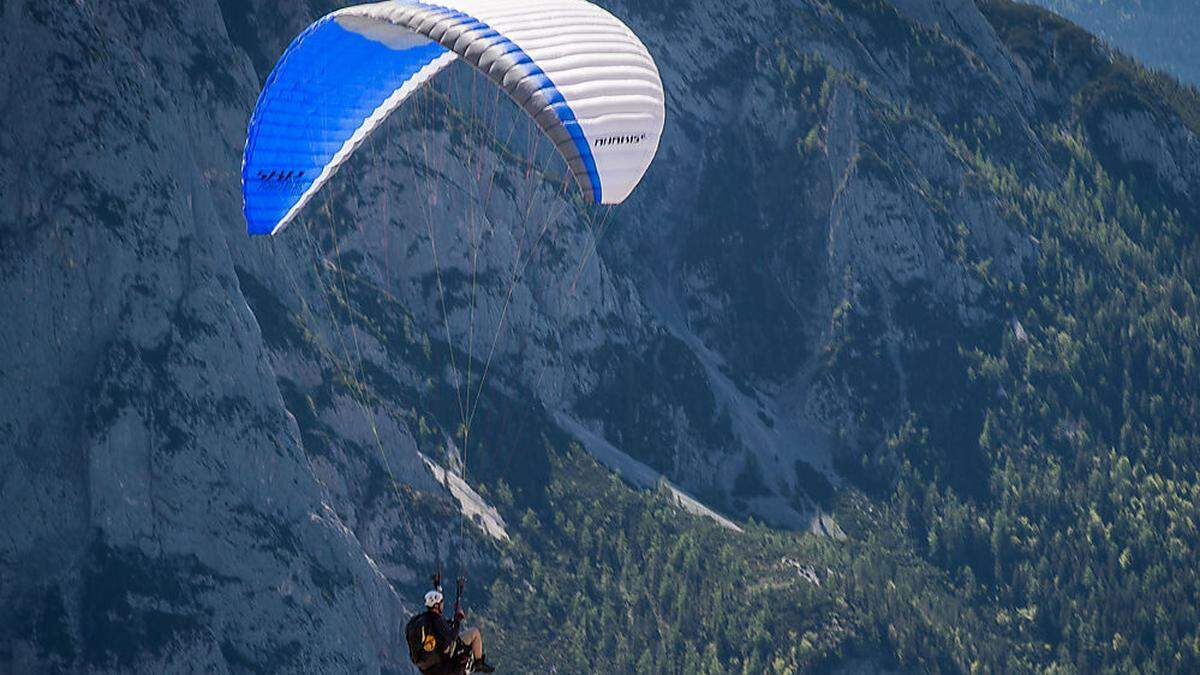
pixel 474 640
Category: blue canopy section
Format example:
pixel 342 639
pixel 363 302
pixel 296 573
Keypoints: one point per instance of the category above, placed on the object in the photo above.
pixel 327 87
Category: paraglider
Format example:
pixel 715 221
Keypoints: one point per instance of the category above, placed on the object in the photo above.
pixel 578 73
pixel 576 70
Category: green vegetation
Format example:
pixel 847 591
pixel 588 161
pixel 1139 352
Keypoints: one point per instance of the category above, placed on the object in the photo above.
pixel 609 580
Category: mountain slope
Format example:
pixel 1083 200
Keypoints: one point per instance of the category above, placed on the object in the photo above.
pixel 919 275
pixel 1160 33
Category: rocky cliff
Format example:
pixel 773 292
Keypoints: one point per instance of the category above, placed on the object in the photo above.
pixel 227 454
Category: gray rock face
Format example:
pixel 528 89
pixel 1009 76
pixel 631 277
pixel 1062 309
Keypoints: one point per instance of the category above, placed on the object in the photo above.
pixel 1138 138
pixel 152 477
pixel 214 448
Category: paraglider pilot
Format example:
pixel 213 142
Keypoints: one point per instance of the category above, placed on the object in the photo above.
pixel 440 647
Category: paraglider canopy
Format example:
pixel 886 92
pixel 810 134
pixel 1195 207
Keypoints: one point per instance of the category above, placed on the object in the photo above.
pixel 580 73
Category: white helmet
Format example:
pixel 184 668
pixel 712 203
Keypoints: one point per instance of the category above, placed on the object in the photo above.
pixel 432 598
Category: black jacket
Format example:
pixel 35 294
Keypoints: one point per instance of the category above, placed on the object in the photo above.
pixel 446 633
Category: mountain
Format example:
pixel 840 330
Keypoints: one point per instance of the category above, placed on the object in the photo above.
pixel 888 364
pixel 1160 33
